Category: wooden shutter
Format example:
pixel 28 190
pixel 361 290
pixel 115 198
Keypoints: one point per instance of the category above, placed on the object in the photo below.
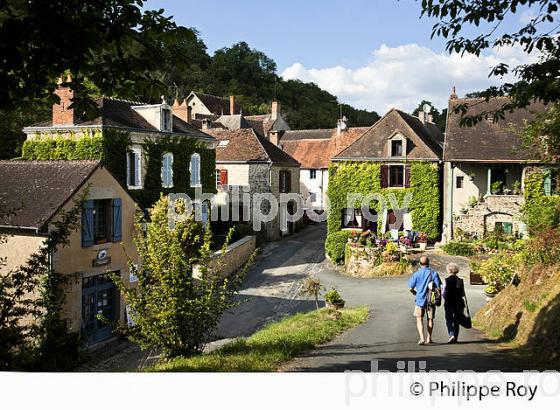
pixel 384 176
pixel 87 224
pixel 407 176
pixel 116 207
pixel 223 177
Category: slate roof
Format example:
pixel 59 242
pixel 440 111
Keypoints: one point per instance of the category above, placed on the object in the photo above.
pixel 216 105
pixel 314 149
pixel 42 188
pixel 487 141
pixel 245 145
pixel 424 141
pixel 119 113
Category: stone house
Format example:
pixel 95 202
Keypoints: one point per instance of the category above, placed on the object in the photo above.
pixel 314 149
pixel 246 162
pixel 399 155
pixel 103 242
pixel 120 135
pixel 485 169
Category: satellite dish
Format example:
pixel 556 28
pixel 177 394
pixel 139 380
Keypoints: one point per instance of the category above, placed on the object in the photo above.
pixel 426 108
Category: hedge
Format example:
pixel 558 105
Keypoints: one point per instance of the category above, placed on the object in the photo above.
pixel 365 178
pixel 335 245
pixel 110 147
pixel 459 248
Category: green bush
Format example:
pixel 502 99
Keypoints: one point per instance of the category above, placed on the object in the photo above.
pixel 333 298
pixel 335 245
pixel 459 248
pixel 498 271
pixel 540 212
pixel 544 248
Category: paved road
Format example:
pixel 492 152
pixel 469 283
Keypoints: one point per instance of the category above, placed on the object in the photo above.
pixel 271 291
pixel 390 335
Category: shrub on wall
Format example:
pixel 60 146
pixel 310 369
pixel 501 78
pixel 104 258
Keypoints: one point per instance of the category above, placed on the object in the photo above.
pixel 365 178
pixel 459 248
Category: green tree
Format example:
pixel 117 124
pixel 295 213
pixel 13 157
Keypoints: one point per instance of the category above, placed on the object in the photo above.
pixel 539 80
pixel 172 310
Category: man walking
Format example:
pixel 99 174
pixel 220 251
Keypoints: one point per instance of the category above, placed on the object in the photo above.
pixel 423 284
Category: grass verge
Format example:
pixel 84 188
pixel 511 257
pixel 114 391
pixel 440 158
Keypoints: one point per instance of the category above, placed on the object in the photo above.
pixel 274 345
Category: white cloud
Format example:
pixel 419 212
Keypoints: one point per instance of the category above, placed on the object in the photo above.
pixel 403 76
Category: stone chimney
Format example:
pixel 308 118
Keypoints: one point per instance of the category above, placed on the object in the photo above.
pixel 232 105
pixel 274 137
pixel 182 111
pixel 453 95
pixel 61 114
pixel 275 110
pixel 342 125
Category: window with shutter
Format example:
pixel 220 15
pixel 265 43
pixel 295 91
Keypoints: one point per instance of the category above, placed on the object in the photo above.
pixel 384 176
pixel 87 224
pixel 396 176
pixel 407 176
pixel 133 170
pixel 116 211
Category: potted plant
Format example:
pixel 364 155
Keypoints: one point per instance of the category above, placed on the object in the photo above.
pixel 422 241
pixel 334 300
pixel 507 191
pixel 490 291
pixel 516 188
pixel 473 201
pixel 496 187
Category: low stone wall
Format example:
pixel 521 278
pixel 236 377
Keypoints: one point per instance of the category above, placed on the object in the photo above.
pixel 235 257
pixel 495 208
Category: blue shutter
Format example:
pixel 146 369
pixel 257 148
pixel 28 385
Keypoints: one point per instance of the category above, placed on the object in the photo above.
pixel 164 171
pixel 87 224
pixel 548 185
pixel 117 219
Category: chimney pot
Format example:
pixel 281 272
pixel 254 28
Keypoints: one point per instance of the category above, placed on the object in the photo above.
pixel 182 111
pixel 275 110
pixel 231 105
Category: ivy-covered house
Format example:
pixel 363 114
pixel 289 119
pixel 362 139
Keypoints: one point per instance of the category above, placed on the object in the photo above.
pixel 400 154
pixel 150 148
pixel 487 168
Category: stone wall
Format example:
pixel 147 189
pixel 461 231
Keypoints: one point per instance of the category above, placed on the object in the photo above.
pixel 495 208
pixel 235 257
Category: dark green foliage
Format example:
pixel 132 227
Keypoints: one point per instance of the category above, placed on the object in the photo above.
pixel 544 248
pixel 470 27
pixel 182 149
pixel 335 245
pixel 459 248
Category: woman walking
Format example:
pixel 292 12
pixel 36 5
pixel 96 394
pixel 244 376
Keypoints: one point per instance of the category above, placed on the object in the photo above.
pixel 454 305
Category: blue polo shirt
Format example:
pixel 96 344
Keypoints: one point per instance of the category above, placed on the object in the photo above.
pixel 419 281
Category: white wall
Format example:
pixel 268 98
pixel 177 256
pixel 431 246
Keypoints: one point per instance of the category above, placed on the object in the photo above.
pixel 318 185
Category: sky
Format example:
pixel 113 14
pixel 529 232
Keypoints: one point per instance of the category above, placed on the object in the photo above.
pixel 371 54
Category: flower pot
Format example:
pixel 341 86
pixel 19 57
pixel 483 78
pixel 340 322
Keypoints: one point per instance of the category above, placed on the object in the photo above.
pixel 423 246
pixel 489 295
pixel 333 306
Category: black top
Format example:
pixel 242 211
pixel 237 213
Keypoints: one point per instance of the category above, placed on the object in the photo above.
pixel 454 292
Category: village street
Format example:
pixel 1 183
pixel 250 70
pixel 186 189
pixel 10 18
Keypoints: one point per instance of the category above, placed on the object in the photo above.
pixel 271 291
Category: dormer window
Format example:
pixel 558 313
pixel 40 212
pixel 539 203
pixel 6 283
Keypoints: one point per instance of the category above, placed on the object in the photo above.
pixel 397 148
pixel 166 124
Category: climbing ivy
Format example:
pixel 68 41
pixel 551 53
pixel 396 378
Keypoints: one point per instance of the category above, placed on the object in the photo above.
pixel 110 147
pixel 107 146
pixel 540 212
pixel 365 178
pixel 182 149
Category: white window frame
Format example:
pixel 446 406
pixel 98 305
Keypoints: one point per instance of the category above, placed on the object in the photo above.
pixel 312 174
pixel 194 183
pixel 166 125
pixel 349 215
pixel 397 137
pixel 138 176
pixel 167 170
